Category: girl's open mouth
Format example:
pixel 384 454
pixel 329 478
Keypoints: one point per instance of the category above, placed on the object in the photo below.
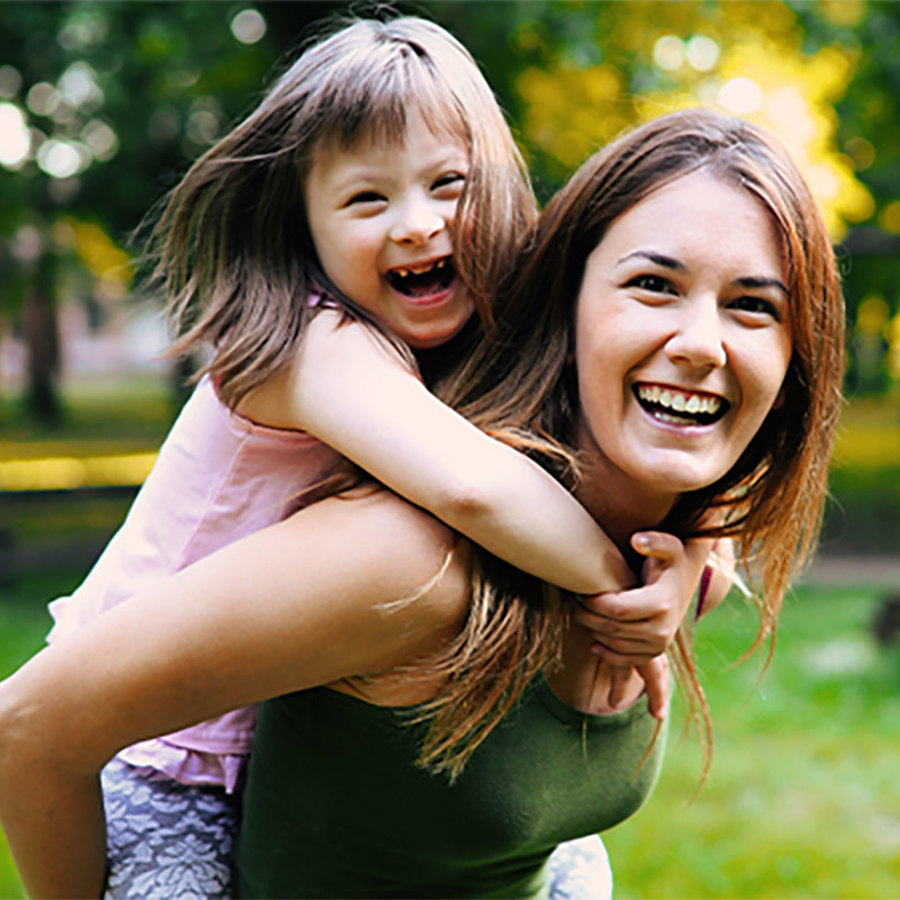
pixel 422 281
pixel 677 407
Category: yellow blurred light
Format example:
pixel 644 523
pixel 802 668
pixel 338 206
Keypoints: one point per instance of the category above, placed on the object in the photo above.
pixel 108 262
pixel 872 315
pixel 67 473
pixel 889 217
pixel 843 12
pixel 861 152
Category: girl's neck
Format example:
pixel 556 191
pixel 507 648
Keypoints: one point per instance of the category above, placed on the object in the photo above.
pixel 438 362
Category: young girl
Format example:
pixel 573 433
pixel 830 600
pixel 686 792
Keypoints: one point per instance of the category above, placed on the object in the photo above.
pixel 368 205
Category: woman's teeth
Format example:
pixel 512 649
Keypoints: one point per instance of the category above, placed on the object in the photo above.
pixel 680 407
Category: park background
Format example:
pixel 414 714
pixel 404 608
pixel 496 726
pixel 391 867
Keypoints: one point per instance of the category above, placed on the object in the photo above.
pixel 104 104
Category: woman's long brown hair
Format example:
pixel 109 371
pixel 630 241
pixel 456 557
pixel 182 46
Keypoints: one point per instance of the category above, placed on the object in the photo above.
pixel 520 387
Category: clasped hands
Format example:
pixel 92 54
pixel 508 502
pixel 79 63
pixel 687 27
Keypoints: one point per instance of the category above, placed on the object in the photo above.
pixel 632 629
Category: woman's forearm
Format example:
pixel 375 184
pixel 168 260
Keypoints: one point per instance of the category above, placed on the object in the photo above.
pixel 52 814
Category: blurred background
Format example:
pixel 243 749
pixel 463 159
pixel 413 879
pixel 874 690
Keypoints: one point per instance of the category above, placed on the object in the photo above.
pixel 104 104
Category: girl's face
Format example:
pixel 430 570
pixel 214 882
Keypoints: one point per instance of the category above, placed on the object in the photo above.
pixel 381 218
pixel 682 338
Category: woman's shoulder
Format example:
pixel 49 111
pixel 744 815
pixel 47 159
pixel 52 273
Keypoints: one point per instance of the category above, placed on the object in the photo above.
pixel 395 553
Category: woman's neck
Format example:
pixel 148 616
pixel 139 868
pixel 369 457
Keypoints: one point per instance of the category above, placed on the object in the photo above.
pixel 619 504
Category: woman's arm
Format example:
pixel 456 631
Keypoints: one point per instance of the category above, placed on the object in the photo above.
pixel 356 395
pixel 296 605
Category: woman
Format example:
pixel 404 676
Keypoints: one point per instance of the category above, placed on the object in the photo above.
pixel 681 352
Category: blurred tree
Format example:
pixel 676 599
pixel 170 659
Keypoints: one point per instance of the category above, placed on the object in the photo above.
pixel 104 104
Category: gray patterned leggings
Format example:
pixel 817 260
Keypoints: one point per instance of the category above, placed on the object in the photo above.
pixel 168 840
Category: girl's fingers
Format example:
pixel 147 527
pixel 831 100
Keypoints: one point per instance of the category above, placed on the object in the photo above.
pixel 616 606
pixel 656 678
pixel 619 677
pixel 657 544
pixel 612 658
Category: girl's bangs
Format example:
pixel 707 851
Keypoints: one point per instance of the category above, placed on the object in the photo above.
pixel 376 110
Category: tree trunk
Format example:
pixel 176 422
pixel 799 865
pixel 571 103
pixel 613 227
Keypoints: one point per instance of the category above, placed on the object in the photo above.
pixel 41 334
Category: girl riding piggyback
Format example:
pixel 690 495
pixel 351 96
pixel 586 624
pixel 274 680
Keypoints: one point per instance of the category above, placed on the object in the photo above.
pixel 320 253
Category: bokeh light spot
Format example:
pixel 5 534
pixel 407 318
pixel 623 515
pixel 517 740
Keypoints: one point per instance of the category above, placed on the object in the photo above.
pixel 702 53
pixel 248 26
pixel 668 53
pixel 10 81
pixel 889 219
pixel 741 95
pixel 15 139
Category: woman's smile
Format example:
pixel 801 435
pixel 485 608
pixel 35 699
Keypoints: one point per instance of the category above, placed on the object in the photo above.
pixel 676 406
pixel 682 337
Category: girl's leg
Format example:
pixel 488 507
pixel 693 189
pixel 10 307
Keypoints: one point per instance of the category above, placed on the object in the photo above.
pixel 166 839
pixel 579 870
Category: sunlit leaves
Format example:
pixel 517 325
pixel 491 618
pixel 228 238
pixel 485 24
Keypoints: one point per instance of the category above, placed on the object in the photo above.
pixel 746 58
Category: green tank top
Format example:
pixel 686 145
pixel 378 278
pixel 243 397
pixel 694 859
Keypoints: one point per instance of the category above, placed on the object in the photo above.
pixel 335 807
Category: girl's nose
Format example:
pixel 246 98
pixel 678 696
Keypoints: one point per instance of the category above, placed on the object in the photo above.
pixel 698 340
pixel 417 222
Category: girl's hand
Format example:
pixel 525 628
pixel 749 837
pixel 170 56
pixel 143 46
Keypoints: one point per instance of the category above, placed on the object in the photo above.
pixel 633 627
pixel 655 674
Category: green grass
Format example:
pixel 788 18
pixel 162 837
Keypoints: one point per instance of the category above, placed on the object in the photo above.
pixel 803 796
pixel 111 416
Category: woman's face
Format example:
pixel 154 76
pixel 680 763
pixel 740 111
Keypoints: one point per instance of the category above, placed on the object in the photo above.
pixel 682 338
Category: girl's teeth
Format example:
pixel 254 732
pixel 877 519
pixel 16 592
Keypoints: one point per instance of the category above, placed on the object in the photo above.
pixel 405 272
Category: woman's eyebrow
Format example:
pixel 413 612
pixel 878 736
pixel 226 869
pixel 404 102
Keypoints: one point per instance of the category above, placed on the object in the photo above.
pixel 750 281
pixel 659 258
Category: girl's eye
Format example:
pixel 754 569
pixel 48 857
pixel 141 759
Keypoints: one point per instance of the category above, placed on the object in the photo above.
pixel 758 306
pixel 655 284
pixel 451 182
pixel 365 197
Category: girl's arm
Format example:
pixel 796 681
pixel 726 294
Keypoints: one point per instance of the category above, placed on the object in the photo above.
pixel 296 605
pixel 355 394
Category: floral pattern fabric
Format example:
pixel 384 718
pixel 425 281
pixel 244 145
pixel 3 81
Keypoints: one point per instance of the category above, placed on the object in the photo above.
pixel 166 839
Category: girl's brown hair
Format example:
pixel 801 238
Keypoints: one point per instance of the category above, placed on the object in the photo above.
pixel 520 386
pixel 233 247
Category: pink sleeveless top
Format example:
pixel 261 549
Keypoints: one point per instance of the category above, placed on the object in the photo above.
pixel 218 477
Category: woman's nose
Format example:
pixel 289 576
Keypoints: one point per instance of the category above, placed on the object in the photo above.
pixel 698 340
pixel 417 222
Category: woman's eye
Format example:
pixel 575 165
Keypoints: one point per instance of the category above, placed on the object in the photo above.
pixel 655 284
pixel 757 305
